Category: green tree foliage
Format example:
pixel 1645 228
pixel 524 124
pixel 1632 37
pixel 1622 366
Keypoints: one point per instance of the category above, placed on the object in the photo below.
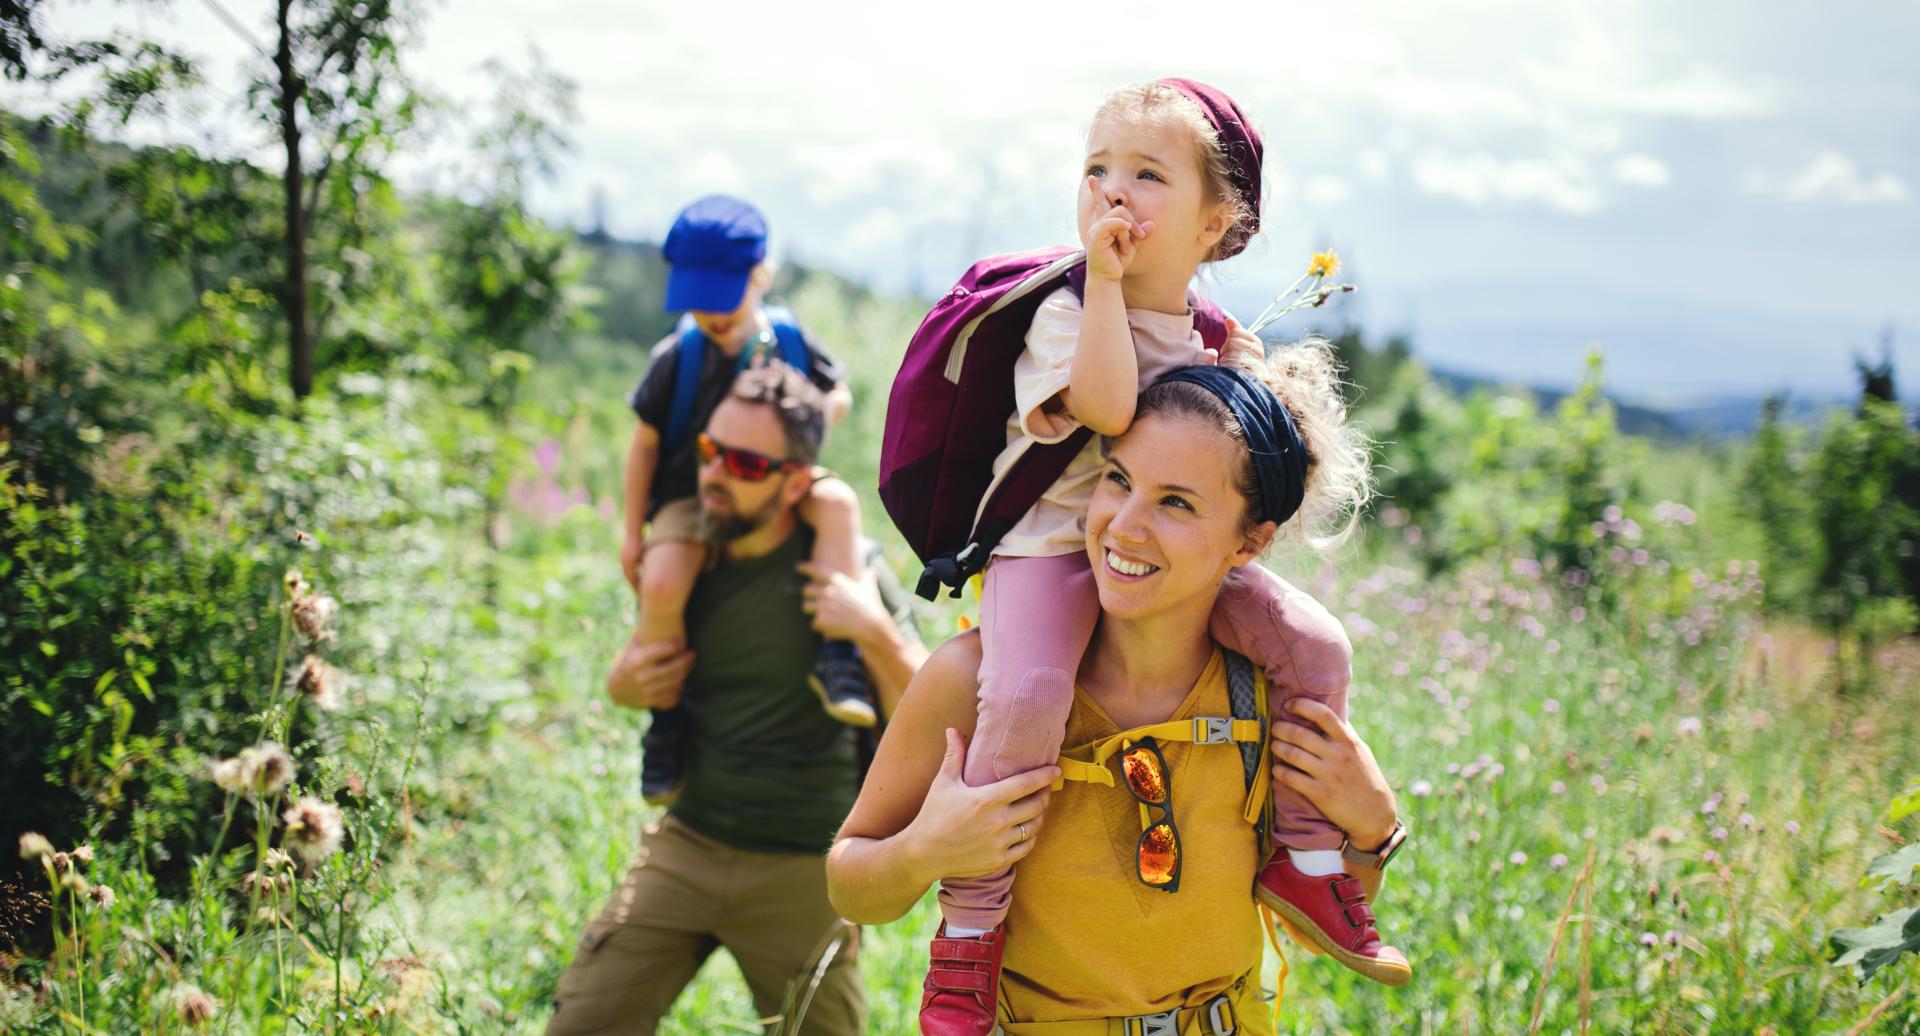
pixel 1773 494
pixel 1867 528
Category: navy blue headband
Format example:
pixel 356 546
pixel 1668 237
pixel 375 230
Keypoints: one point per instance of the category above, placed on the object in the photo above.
pixel 1279 454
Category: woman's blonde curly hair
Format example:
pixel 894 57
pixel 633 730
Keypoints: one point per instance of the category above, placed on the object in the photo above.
pixel 1306 378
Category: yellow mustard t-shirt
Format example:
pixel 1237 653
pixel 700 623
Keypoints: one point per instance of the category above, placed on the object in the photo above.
pixel 1086 939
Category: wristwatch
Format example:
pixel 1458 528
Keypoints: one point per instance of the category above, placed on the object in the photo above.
pixel 1378 858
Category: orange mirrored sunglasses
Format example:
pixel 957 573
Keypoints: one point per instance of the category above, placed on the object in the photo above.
pixel 744 465
pixel 1157 857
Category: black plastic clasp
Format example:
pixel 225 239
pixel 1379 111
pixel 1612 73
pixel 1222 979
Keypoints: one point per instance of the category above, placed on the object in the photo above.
pixel 950 570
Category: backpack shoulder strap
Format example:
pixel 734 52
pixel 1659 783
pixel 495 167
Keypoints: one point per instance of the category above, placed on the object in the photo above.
pixel 689 356
pixel 1247 695
pixel 791 341
pixel 1244 696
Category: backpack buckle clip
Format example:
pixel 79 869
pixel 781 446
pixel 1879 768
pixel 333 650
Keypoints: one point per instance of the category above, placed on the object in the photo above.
pixel 1212 730
pixel 1219 1016
pixel 1166 1023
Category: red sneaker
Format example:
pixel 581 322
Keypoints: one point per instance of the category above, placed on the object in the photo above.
pixel 1333 914
pixel 963 984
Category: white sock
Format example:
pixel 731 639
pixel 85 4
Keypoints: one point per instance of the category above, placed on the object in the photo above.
pixel 1316 863
pixel 954 931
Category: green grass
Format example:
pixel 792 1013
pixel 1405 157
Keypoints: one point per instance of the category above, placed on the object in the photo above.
pixel 1581 729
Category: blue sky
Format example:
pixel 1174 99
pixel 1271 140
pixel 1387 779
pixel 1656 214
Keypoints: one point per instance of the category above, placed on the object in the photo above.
pixel 1724 196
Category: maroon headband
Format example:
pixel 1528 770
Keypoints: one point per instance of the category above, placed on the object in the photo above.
pixel 1242 146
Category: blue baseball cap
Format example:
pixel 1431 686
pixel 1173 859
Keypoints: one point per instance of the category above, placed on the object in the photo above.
pixel 712 250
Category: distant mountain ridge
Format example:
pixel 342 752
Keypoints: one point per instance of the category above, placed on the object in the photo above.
pixel 631 276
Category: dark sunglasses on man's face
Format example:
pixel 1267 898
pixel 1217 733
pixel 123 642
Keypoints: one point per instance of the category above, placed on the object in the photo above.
pixel 745 465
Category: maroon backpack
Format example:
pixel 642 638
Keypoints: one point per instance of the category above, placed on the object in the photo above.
pixel 947 414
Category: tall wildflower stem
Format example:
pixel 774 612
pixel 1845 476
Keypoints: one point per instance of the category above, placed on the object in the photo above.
pixel 279 952
pixel 279 665
pixel 339 951
pixel 213 856
pixel 78 951
pixel 1553 951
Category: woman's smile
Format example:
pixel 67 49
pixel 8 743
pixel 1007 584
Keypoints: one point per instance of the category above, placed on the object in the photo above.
pixel 1128 569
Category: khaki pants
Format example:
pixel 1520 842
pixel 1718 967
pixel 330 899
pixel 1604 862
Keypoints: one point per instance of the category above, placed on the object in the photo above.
pixel 685 895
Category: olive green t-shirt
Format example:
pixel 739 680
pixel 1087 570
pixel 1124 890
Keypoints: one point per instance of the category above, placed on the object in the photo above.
pixel 767 769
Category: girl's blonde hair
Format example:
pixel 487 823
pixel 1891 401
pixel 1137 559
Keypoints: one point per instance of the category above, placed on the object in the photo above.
pixel 1306 378
pixel 1148 101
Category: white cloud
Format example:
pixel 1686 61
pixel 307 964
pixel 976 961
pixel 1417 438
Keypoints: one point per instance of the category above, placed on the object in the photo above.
pixel 1374 166
pixel 1641 170
pixel 1560 183
pixel 713 172
pixel 1327 190
pixel 1832 176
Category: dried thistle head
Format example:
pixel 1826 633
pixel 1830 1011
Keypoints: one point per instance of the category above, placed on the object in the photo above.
pixel 83 855
pixel 266 769
pixel 278 861
pixel 34 846
pixel 296 584
pixel 102 896
pixel 319 683
pixel 193 1005
pixel 61 863
pixel 74 883
pixel 313 616
pixel 314 829
pixel 227 775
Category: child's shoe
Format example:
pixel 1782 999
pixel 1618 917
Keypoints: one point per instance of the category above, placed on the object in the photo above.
pixel 840 679
pixel 1333 914
pixel 662 770
pixel 963 984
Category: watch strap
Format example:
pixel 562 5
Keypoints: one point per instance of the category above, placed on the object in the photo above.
pixel 1378 858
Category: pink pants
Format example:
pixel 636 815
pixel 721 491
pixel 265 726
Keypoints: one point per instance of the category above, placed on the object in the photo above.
pixel 1036 617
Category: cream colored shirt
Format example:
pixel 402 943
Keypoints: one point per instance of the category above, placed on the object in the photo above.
pixel 1057 523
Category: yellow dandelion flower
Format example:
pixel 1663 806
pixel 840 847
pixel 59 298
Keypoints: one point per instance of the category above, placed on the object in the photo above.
pixel 1325 264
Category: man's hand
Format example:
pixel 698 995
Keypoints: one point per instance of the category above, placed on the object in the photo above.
pixel 632 549
pixel 844 608
pixel 649 676
pixel 1329 764
pixel 1111 239
pixel 1243 349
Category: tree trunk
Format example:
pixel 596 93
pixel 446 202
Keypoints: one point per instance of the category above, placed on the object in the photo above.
pixel 294 290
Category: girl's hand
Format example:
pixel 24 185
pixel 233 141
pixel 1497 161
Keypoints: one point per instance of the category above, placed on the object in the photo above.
pixel 1111 239
pixel 1243 349
pixel 1335 770
pixel 964 832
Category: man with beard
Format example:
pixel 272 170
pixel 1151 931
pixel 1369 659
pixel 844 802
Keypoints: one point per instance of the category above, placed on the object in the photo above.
pixel 737 861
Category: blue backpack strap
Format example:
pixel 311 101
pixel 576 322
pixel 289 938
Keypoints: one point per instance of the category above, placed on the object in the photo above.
pixel 791 340
pixel 688 358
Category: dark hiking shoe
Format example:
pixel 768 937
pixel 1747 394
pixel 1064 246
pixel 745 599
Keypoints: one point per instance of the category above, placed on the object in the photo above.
pixel 840 679
pixel 662 768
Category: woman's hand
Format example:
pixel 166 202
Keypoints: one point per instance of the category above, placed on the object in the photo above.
pixel 964 832
pixel 1335 770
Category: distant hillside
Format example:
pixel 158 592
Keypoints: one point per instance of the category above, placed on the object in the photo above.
pixel 1633 419
pixel 629 279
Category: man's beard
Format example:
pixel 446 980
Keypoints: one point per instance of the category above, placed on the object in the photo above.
pixel 732 525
